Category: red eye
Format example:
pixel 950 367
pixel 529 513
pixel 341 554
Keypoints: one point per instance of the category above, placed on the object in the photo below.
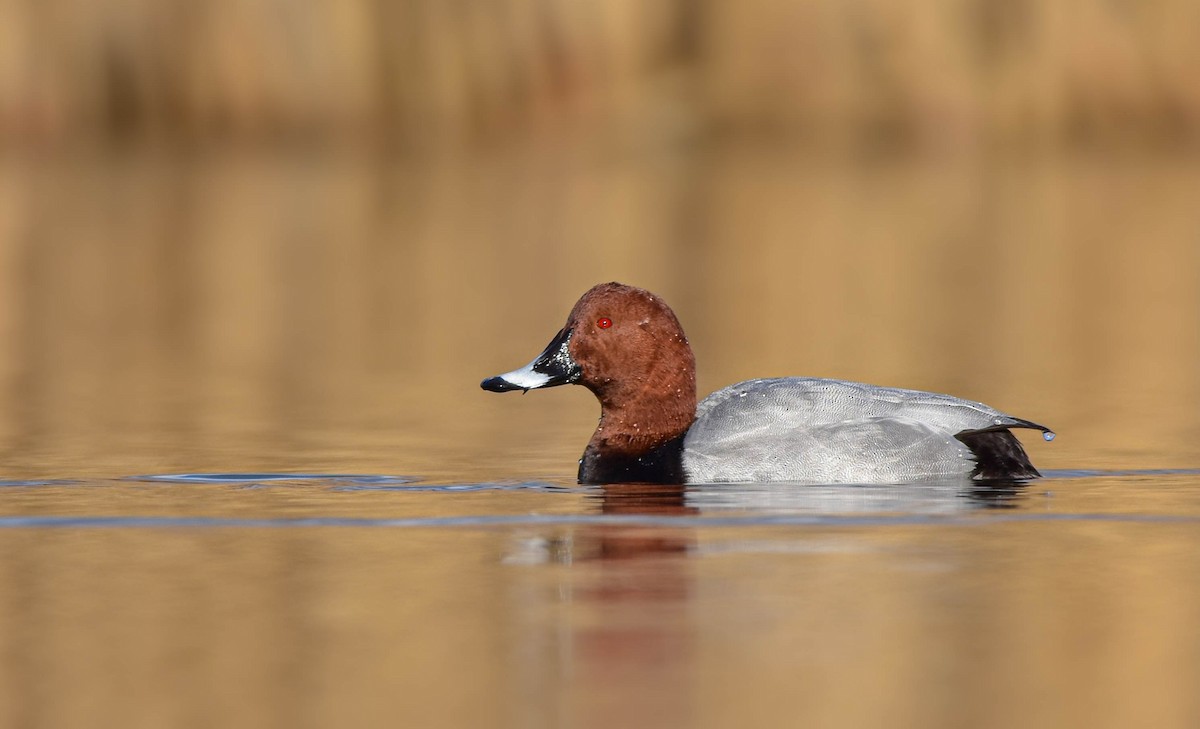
pixel 604 322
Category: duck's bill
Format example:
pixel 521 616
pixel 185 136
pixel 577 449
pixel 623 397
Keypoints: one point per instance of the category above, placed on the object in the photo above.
pixel 553 366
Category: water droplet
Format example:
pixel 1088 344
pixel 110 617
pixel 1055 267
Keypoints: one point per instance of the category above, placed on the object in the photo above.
pixel 1048 435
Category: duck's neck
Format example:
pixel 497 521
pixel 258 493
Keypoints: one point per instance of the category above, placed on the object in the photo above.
pixel 640 437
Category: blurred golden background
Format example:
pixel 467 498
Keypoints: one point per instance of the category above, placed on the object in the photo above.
pixel 946 73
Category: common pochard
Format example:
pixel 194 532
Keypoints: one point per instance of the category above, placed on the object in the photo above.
pixel 626 346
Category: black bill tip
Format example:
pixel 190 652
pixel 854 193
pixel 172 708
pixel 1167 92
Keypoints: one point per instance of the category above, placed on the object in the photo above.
pixel 499 384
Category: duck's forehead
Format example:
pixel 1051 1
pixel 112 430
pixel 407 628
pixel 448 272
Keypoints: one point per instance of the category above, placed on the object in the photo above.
pixel 615 303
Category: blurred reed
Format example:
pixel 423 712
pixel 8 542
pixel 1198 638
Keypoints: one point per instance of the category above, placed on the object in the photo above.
pixel 429 72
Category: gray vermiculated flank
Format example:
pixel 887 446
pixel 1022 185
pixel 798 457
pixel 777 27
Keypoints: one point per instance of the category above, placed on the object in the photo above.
pixel 812 429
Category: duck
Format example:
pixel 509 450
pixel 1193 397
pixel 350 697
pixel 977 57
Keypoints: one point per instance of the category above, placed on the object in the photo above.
pixel 627 347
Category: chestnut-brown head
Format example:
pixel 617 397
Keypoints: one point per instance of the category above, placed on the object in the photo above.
pixel 626 346
pixel 629 346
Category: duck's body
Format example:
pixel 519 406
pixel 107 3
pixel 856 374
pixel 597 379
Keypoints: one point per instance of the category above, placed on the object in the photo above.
pixel 831 431
pixel 626 345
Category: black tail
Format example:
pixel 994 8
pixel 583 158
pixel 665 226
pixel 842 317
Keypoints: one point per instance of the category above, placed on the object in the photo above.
pixel 998 454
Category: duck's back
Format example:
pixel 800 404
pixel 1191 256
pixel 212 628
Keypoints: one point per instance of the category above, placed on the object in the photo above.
pixel 831 431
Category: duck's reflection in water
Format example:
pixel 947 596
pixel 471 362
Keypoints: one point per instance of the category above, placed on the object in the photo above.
pixel 621 542
pixel 621 597
pixel 748 502
pixel 629 600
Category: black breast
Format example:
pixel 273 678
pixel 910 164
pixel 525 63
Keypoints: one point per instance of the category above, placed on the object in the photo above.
pixel 661 465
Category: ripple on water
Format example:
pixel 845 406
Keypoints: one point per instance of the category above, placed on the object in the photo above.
pixel 724 505
pixel 345 481
pixel 1092 473
pixel 241 478
pixel 458 487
